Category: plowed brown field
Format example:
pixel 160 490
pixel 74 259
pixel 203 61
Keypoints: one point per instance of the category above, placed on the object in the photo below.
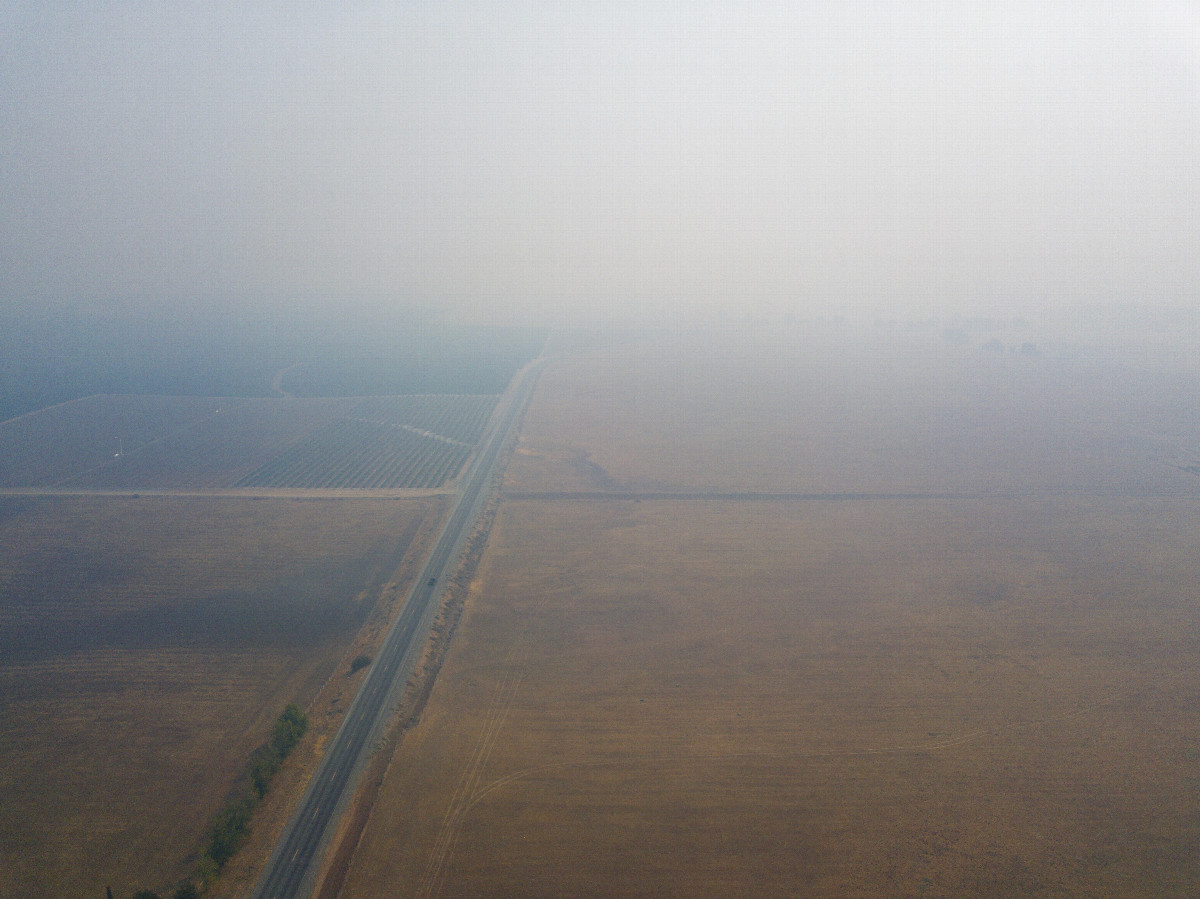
pixel 146 645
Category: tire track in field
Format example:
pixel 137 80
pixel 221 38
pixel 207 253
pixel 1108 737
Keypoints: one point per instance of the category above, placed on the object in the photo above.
pixel 509 778
pixel 466 793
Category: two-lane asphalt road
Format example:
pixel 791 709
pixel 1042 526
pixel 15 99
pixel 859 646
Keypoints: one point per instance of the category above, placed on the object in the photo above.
pixel 292 868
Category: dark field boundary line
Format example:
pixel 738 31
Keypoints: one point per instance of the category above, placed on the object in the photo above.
pixel 616 495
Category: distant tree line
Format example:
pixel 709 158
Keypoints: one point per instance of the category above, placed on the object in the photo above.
pixel 231 825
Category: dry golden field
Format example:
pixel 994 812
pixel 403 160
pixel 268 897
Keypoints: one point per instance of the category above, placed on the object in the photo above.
pixel 991 688
pixel 857 413
pixel 146 645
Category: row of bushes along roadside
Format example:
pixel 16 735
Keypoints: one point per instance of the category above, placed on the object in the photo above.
pixel 231 824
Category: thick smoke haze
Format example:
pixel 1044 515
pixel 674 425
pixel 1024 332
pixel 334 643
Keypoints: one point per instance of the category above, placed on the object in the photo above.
pixel 534 162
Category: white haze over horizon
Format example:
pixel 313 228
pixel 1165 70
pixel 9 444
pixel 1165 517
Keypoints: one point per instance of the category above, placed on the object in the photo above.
pixel 538 162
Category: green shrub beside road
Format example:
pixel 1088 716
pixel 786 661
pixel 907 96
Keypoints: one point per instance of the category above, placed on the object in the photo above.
pixel 232 823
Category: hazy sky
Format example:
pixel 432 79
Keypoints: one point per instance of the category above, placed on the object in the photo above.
pixel 516 157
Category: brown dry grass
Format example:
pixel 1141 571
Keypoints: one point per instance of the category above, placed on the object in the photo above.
pixel 145 647
pixel 994 694
pixel 857 698
pixel 854 414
